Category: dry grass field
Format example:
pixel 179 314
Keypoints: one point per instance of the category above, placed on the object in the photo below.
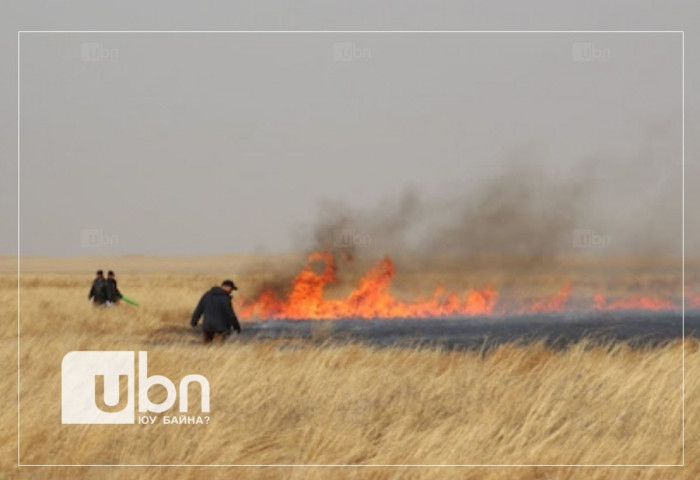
pixel 285 402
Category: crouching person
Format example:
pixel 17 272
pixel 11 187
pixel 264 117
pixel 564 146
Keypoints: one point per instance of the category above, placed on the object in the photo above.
pixel 217 309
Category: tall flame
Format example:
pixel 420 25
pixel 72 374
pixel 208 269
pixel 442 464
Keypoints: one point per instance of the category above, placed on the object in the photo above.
pixel 370 299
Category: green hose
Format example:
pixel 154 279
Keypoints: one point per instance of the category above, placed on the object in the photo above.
pixel 130 301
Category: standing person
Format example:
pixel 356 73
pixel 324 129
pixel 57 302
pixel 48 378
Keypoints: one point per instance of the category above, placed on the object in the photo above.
pixel 217 309
pixel 98 291
pixel 113 293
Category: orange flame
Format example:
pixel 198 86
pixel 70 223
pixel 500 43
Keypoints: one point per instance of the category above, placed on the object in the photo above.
pixel 633 303
pixel 372 298
pixel 554 304
pixel 695 301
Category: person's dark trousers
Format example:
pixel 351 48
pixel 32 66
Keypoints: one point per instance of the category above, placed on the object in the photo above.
pixel 209 336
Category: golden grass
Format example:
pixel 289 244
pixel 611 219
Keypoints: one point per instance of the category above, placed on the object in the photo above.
pixel 279 402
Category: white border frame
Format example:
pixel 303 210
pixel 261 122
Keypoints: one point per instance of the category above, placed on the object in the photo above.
pixel 682 32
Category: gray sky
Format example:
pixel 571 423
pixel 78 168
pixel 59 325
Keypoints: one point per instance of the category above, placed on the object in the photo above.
pixel 226 143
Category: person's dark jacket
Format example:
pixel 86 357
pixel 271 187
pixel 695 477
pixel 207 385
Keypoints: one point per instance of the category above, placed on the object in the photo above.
pixel 113 293
pixel 98 292
pixel 217 309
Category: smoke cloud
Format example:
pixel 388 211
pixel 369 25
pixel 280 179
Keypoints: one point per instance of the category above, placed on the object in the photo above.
pixel 602 206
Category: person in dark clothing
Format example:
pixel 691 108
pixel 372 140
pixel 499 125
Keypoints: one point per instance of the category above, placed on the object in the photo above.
pixel 98 291
pixel 217 309
pixel 113 293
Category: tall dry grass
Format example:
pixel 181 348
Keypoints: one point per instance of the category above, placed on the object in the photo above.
pixel 279 402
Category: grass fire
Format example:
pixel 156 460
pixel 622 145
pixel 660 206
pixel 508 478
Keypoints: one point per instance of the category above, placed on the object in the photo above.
pixel 372 298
